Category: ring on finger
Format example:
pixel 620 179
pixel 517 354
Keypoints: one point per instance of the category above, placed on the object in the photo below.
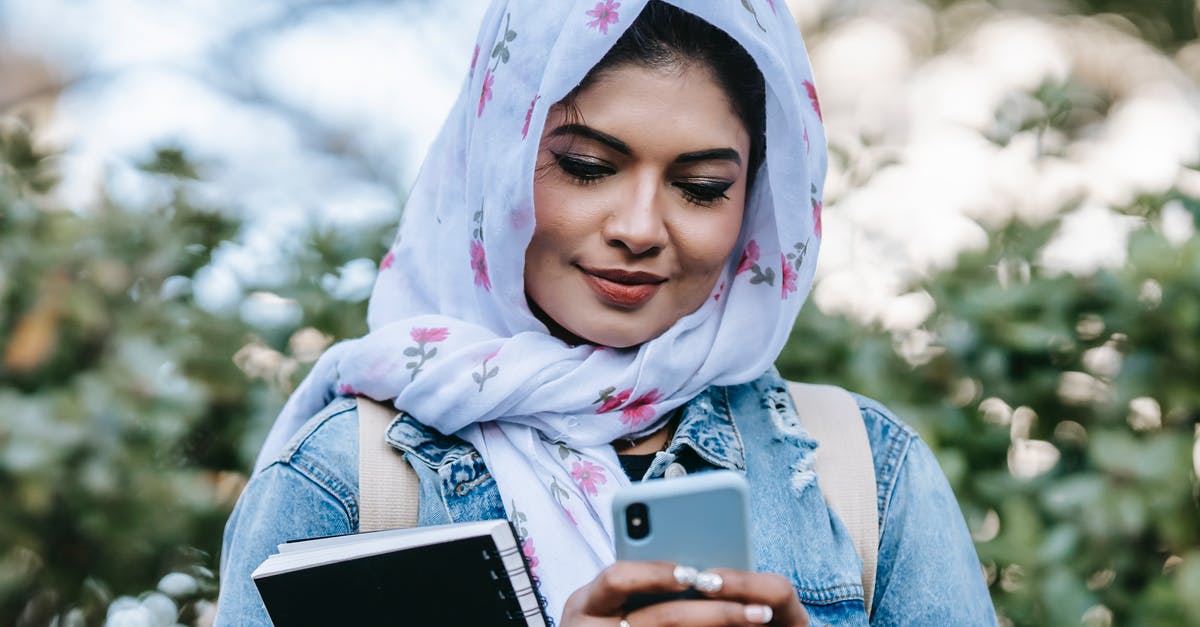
pixel 624 623
pixel 684 576
pixel 708 582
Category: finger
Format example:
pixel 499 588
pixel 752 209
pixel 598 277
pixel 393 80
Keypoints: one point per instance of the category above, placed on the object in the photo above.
pixel 608 592
pixel 702 613
pixel 768 589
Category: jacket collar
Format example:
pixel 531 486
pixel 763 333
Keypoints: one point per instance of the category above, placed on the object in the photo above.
pixel 424 443
pixel 705 426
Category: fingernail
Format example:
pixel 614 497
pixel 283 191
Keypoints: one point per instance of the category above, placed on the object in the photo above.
pixel 685 575
pixel 709 582
pixel 759 614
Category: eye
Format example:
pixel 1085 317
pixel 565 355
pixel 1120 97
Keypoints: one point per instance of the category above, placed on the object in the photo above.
pixel 582 169
pixel 703 191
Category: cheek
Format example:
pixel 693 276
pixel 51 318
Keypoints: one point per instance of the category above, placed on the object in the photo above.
pixel 558 233
pixel 565 215
pixel 710 244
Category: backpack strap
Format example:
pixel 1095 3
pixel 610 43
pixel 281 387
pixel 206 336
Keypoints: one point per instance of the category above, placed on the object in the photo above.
pixel 389 491
pixel 845 468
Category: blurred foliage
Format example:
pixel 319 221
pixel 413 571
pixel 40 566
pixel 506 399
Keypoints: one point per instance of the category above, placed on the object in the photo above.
pixel 125 420
pixel 1168 24
pixel 1064 411
pixel 1165 23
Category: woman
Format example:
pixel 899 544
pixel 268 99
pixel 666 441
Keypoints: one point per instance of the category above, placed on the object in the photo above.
pixel 602 257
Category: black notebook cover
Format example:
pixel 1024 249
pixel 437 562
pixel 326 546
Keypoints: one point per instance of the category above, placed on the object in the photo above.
pixel 460 582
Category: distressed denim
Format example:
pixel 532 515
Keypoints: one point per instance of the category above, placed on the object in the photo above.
pixel 928 572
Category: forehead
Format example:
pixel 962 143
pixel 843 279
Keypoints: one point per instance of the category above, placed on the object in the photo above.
pixel 680 105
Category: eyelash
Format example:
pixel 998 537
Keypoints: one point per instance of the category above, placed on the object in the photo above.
pixel 584 172
pixel 704 193
pixel 581 170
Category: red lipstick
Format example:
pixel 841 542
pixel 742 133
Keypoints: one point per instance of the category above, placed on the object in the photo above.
pixel 623 288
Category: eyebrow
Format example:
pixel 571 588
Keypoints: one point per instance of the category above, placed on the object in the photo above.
pixel 587 132
pixel 712 154
pixel 591 133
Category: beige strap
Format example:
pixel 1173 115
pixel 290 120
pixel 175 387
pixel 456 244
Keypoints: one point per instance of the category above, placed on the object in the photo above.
pixel 844 466
pixel 388 488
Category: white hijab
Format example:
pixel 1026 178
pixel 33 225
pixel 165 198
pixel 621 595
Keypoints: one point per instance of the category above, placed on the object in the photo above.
pixel 452 339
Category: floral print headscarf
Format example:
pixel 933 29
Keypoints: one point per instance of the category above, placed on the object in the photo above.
pixel 453 341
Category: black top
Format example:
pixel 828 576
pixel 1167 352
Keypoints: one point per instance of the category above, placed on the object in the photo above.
pixel 635 466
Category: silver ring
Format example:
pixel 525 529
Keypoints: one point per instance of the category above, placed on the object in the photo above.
pixel 624 623
pixel 684 576
pixel 709 582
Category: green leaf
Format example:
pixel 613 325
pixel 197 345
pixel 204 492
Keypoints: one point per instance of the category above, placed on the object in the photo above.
pixel 431 353
pixel 412 351
pixel 605 395
pixel 510 35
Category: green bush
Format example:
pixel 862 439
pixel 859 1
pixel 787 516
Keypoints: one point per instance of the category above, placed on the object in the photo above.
pixel 127 425
pixel 1065 412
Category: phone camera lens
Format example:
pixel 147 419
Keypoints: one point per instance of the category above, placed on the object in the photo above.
pixel 637 521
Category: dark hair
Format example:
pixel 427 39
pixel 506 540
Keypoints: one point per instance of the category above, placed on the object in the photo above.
pixel 665 36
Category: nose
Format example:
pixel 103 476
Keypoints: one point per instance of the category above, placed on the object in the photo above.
pixel 638 223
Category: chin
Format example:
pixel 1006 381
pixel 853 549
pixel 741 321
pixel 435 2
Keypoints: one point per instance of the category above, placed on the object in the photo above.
pixel 617 335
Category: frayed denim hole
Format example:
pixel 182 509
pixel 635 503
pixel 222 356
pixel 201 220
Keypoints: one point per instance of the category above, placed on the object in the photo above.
pixel 788 430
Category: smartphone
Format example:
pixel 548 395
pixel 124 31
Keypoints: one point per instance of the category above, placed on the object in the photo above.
pixel 700 520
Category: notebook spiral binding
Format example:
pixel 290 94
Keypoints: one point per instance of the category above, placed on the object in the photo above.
pixel 509 593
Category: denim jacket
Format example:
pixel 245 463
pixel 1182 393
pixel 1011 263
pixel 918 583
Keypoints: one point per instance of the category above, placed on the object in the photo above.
pixel 928 572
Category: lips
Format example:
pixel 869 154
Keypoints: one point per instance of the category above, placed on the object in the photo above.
pixel 623 288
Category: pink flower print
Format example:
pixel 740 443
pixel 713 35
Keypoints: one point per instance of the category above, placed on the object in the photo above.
pixel 817 217
pixel 422 335
pixel 639 411
pixel 772 3
pixel 588 475
pixel 605 14
pixel 485 372
pixel 749 257
pixel 608 401
pixel 529 117
pixel 720 290
pixel 529 552
pixel 388 260
pixel 420 355
pixel 789 276
pixel 345 389
pixel 474 60
pixel 812 95
pixel 485 94
pixel 479 265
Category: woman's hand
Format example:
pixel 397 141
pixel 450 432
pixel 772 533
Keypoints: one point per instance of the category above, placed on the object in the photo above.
pixel 733 597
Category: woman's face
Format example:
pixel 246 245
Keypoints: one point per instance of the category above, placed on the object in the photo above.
pixel 639 200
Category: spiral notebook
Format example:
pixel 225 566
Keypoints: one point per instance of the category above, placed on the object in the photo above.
pixel 460 574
